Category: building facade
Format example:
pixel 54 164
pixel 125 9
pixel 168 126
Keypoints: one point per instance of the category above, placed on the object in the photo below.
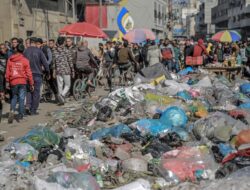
pixel 205 27
pixel 149 14
pixel 25 18
pixel 220 15
pixel 232 15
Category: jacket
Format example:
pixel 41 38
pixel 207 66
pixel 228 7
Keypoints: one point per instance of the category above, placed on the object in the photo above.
pixel 84 57
pixel 125 55
pixel 37 60
pixel 199 49
pixel 188 50
pixel 3 62
pixel 72 51
pixel 153 55
pixel 48 54
pixel 63 62
pixel 18 70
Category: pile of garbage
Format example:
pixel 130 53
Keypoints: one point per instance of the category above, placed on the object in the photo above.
pixel 189 130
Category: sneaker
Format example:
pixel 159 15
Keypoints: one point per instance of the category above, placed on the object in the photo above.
pixel 60 99
pixel 27 112
pixel 11 117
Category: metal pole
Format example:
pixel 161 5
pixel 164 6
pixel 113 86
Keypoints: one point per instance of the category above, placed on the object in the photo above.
pixel 100 13
pixel 74 10
pixel 66 11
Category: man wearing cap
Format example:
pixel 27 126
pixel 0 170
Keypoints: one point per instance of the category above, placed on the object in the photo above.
pixel 37 61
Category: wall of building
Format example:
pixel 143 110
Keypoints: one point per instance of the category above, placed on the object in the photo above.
pixel 21 20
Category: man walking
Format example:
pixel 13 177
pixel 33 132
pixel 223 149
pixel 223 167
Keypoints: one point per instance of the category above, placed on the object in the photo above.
pixel 64 68
pixel 38 61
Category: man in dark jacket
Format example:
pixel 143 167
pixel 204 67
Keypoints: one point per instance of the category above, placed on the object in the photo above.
pixel 85 61
pixel 188 50
pixel 37 61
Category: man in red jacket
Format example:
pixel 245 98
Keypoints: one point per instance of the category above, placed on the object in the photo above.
pixel 18 73
pixel 200 49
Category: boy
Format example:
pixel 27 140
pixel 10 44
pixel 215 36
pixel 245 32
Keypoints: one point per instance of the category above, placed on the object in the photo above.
pixel 18 72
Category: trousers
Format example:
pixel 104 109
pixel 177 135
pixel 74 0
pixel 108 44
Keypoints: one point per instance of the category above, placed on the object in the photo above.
pixel 33 98
pixel 63 83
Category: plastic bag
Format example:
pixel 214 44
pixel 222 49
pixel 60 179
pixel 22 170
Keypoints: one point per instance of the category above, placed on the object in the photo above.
pixel 174 117
pixel 135 164
pixel 104 114
pixel 185 95
pixel 162 100
pixel 74 180
pixel 245 88
pixel 172 87
pixel 243 138
pixel 186 71
pixel 139 184
pixel 114 131
pixel 39 137
pixel 24 151
pixel 151 126
pixel 245 106
pixel 185 162
pixel 217 127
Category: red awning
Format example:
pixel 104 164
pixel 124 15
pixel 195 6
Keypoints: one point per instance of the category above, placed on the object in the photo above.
pixel 83 29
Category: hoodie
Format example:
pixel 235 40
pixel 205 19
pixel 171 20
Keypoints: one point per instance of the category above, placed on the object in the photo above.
pixel 18 70
pixel 154 55
pixel 199 49
pixel 84 57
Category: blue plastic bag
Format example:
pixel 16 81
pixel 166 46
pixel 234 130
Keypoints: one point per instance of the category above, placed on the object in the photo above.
pixel 181 132
pixel 186 71
pixel 225 149
pixel 152 126
pixel 174 117
pixel 245 88
pixel 185 95
pixel 245 106
pixel 115 131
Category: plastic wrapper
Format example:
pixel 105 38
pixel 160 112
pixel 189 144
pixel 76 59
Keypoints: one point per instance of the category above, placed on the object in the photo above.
pixel 74 180
pixel 188 163
pixel 243 138
pixel 171 87
pixel 39 137
pixel 162 100
pixel 217 127
pixel 135 164
pixel 140 184
pixel 245 106
pixel 23 151
pixel 185 95
pixel 203 83
pixel 114 131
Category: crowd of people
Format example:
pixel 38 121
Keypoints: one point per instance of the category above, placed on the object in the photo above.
pixel 25 65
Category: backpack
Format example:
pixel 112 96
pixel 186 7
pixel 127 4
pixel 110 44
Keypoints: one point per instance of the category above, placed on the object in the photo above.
pixel 167 54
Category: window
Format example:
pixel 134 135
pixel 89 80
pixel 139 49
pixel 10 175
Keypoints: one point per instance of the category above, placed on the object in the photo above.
pixel 155 12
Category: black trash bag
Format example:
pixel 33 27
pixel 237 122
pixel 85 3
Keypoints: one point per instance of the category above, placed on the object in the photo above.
pixel 122 104
pixel 132 137
pixel 63 142
pixel 156 149
pixel 172 140
pixel 104 114
pixel 217 154
pixel 232 166
pixel 156 116
pixel 226 170
pixel 44 153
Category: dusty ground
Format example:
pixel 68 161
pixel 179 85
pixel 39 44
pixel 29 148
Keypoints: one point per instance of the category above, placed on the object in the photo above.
pixel 12 131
